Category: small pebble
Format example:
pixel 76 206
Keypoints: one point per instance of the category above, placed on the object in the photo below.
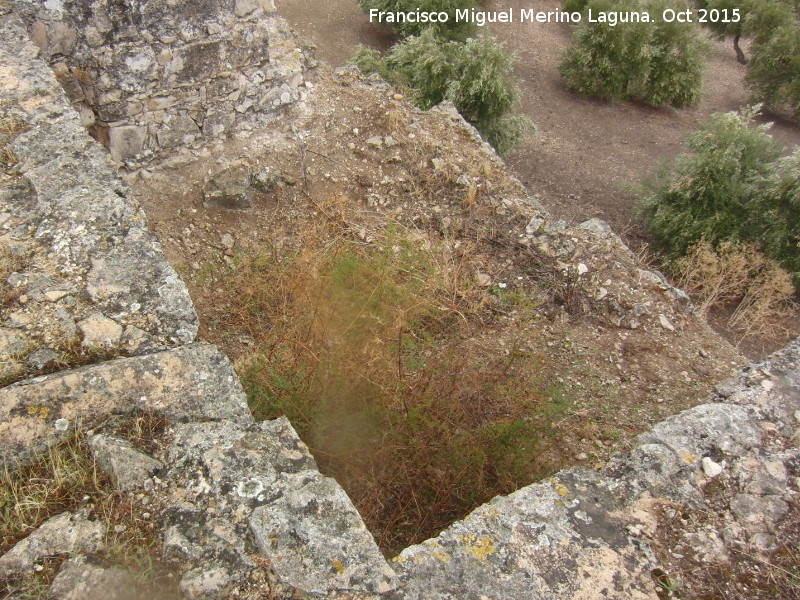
pixel 712 469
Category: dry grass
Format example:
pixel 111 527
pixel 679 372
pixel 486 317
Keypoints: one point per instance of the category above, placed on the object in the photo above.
pixel 11 368
pixel 82 75
pixel 749 575
pixel 382 357
pixel 64 478
pixel 738 275
pixel 10 128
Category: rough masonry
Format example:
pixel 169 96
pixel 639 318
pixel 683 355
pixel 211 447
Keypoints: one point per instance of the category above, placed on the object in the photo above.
pixel 240 505
pixel 153 75
pixel 86 281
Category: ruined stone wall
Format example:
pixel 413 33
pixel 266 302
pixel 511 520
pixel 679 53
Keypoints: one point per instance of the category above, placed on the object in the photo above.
pixel 234 495
pixel 152 75
pixel 86 282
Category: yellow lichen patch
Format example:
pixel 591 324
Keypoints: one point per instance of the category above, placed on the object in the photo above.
pixel 338 566
pixel 38 411
pixel 442 557
pixel 491 511
pixel 399 559
pixel 480 548
pixel 561 489
pixel 688 457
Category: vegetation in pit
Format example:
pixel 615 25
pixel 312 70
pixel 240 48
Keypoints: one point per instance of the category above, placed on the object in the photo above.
pixel 659 63
pixel 382 365
pixel 66 477
pixel 474 75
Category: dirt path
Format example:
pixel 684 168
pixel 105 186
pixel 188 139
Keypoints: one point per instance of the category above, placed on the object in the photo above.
pixel 586 152
pixel 337 27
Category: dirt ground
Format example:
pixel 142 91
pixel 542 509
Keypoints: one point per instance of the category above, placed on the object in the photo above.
pixel 586 154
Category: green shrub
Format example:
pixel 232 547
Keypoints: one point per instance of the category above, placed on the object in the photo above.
pixel 776 218
pixel 475 76
pixel 593 64
pixel 763 18
pixel 451 30
pixel 572 6
pixel 707 194
pixel 370 61
pixel 773 72
pixel 658 63
pixel 733 187
pixel 674 56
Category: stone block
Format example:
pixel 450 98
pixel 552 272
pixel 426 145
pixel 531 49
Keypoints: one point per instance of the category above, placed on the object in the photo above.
pixel 125 142
pixel 229 189
pixel 243 8
pixel 177 131
pixel 77 580
pixel 193 382
pixel 63 534
pixel 198 61
pixel 316 541
pixel 99 331
pixel 128 467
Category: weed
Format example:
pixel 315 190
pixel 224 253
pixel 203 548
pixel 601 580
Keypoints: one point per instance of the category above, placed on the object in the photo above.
pixel 564 285
pixel 82 74
pixel 669 587
pixel 737 274
pixel 10 128
pixel 66 477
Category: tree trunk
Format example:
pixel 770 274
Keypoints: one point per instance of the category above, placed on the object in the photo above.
pixel 740 57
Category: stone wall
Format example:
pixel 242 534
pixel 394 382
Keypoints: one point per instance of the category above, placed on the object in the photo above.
pixel 153 75
pixel 86 282
pixel 81 274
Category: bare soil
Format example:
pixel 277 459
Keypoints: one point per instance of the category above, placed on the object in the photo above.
pixel 587 155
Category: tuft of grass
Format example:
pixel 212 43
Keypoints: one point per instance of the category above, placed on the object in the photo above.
pixel 66 477
pixel 738 275
pixel 668 587
pixel 10 128
pixel 55 482
pixel 382 358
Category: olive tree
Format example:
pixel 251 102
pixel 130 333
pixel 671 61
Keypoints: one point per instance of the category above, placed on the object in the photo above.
pixel 474 75
pixel 659 63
